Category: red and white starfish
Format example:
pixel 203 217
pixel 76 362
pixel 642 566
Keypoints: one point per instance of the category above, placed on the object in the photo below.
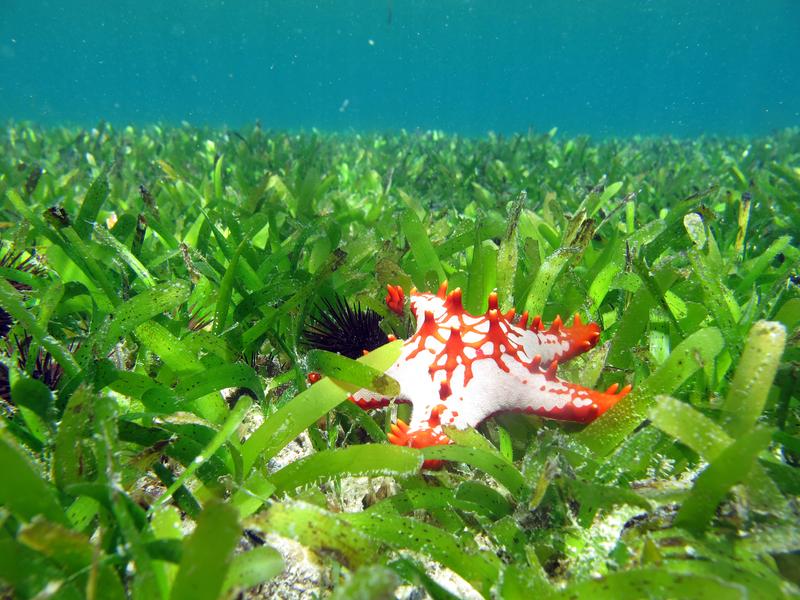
pixel 458 369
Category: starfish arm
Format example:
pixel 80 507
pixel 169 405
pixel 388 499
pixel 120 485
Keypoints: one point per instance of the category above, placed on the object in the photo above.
pixel 556 342
pixel 530 389
pixel 580 337
pixel 559 399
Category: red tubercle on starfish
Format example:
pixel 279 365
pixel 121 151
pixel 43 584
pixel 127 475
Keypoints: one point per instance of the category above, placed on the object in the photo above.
pixel 453 302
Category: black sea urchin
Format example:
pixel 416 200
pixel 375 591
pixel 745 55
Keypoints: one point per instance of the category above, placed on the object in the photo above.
pixel 22 262
pixel 45 369
pixel 344 329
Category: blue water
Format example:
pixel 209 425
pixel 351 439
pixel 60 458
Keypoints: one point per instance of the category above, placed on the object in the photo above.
pixel 602 67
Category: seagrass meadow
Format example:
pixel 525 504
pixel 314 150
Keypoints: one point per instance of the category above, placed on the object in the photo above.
pixel 159 437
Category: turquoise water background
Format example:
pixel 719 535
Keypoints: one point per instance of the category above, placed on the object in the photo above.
pixel 598 67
